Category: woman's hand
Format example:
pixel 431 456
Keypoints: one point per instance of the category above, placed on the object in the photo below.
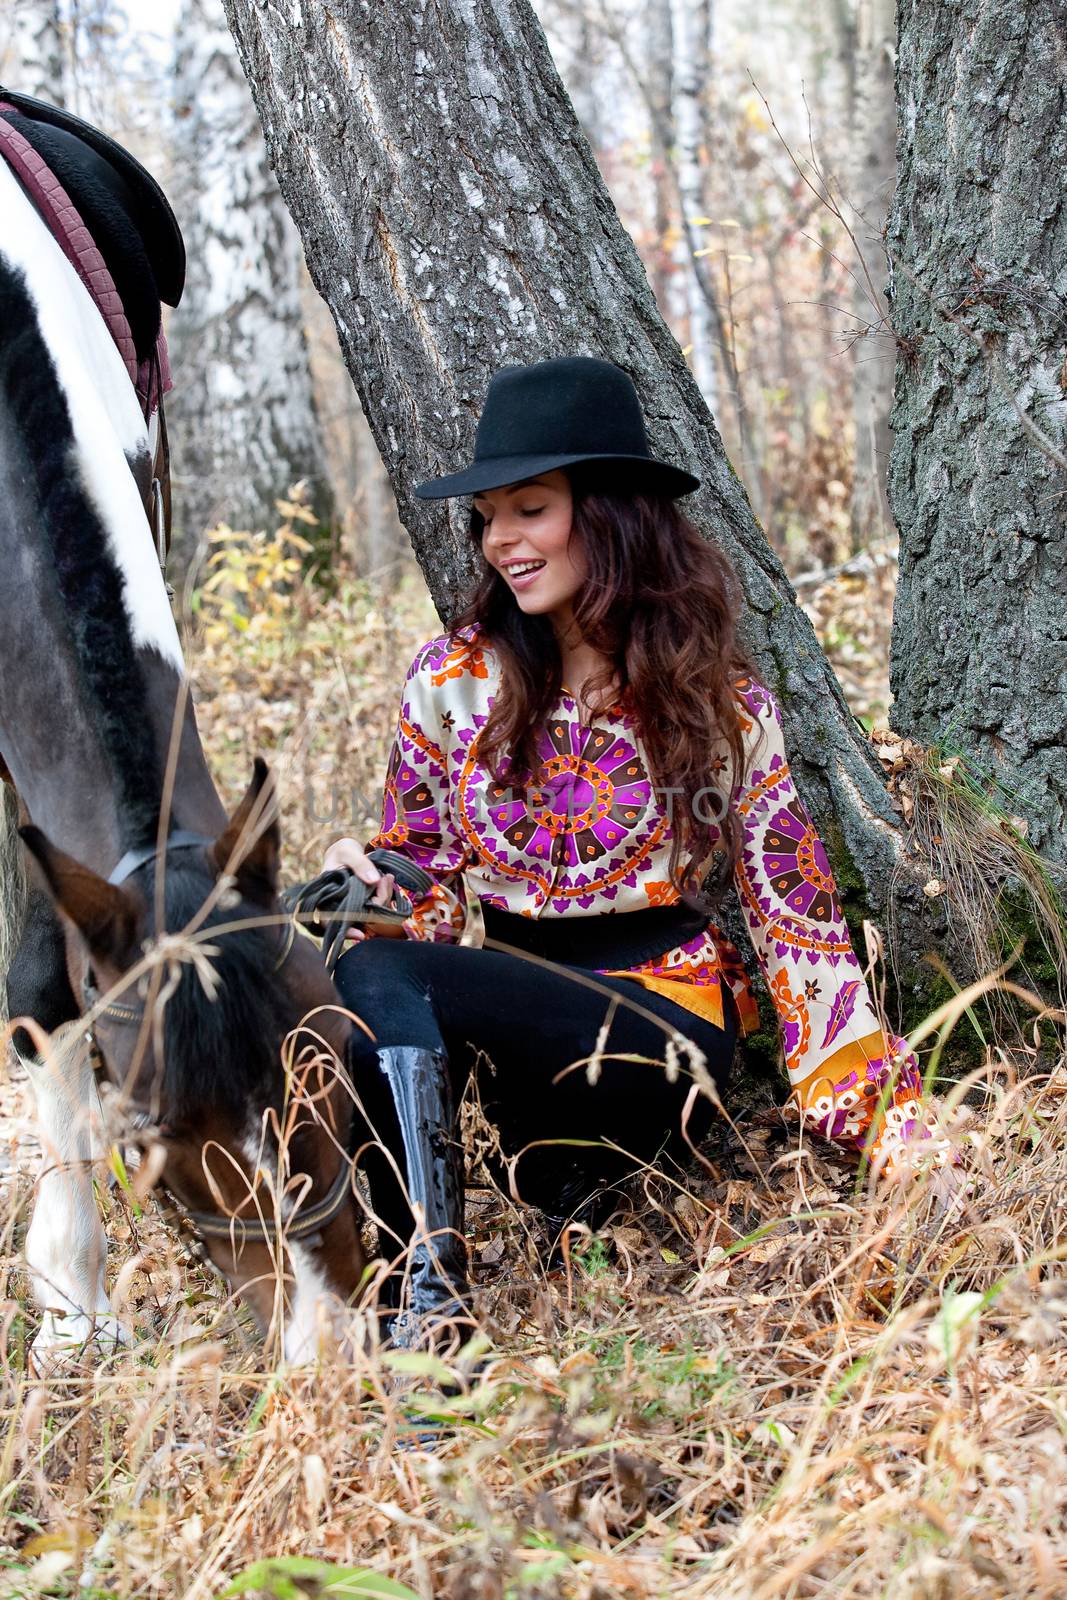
pixel 349 853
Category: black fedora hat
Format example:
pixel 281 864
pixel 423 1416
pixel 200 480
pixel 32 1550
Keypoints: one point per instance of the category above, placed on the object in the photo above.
pixel 556 414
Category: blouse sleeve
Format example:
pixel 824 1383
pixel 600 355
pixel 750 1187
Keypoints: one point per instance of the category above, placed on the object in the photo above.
pixel 850 1081
pixel 416 818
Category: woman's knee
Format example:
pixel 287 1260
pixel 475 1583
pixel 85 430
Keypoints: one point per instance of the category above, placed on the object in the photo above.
pixel 383 983
pixel 367 961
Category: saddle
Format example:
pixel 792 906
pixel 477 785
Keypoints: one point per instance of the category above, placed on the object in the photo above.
pixel 120 202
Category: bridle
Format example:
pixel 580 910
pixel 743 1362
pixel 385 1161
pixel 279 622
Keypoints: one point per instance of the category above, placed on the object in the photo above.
pixel 180 839
pixel 306 1224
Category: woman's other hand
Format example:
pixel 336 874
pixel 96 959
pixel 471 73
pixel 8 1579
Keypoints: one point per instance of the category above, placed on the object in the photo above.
pixel 349 853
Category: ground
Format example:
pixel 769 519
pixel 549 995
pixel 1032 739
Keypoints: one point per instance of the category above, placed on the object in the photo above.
pixel 762 1382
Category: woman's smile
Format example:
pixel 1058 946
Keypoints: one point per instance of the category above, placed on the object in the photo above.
pixel 521 574
pixel 526 537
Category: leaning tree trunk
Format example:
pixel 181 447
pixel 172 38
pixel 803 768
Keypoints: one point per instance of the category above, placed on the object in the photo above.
pixel 243 414
pixel 978 474
pixel 454 220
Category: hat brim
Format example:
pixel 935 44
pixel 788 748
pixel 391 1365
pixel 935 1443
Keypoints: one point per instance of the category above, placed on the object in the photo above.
pixel 502 470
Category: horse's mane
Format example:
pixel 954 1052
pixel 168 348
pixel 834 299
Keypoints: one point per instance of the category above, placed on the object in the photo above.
pixel 75 563
pixel 242 1027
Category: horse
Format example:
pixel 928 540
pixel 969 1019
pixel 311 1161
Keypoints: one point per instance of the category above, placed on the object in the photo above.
pixel 151 913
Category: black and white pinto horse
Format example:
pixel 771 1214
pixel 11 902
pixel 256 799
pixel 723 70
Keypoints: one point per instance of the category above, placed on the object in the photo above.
pixel 220 1031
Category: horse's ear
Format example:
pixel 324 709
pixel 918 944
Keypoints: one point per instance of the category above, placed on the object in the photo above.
pixel 107 915
pixel 249 846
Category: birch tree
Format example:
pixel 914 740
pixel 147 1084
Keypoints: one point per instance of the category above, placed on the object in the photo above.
pixel 659 77
pixel 651 64
pixel 691 38
pixel 872 120
pixel 978 475
pixel 243 411
pixel 36 56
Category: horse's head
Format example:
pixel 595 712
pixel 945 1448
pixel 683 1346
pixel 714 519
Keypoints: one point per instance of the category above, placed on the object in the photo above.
pixel 223 1033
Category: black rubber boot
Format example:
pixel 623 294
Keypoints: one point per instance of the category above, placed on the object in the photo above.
pixel 412 1110
pixel 575 1200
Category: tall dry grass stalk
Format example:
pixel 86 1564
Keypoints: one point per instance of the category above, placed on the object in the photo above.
pixel 756 1384
pixel 760 1383
pixel 1000 893
pixel 12 883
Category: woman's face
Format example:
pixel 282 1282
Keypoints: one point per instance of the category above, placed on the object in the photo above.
pixel 527 539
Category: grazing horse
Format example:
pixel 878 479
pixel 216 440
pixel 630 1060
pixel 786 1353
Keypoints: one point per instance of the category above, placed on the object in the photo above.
pixel 220 1030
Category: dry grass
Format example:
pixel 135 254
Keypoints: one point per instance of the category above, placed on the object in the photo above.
pixel 758 1384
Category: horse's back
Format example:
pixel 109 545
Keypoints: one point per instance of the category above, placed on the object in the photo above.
pixel 64 384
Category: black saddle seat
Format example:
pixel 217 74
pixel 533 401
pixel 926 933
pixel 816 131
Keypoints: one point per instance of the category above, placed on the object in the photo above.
pixel 121 204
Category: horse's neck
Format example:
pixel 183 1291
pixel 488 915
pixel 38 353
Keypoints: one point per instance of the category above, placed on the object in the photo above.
pixel 189 797
pixel 93 670
pixel 91 782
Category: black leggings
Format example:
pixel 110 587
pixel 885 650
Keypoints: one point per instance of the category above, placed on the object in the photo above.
pixel 520 1024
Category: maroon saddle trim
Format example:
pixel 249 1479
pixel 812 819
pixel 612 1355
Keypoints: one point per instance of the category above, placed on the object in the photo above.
pixel 151 378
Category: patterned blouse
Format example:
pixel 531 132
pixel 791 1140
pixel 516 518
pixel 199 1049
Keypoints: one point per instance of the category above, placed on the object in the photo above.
pixel 592 837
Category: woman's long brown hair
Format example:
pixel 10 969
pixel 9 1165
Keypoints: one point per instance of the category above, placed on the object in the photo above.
pixel 660 603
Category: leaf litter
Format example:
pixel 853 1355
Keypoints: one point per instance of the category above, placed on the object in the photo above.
pixel 757 1381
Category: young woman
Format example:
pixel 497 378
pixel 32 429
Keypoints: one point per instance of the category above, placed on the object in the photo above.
pixel 583 765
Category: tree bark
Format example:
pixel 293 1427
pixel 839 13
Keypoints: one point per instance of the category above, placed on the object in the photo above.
pixel 454 220
pixel 978 242
pixel 243 411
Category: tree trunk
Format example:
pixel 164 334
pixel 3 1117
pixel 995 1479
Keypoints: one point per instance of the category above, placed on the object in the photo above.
pixel 454 220
pixel 37 60
pixel 576 46
pixel 978 242
pixel 843 22
pixel 383 550
pixel 243 412
pixel 873 124
pixel 691 32
pixel 659 78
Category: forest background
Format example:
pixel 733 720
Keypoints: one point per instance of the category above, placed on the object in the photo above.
pixel 691 1407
